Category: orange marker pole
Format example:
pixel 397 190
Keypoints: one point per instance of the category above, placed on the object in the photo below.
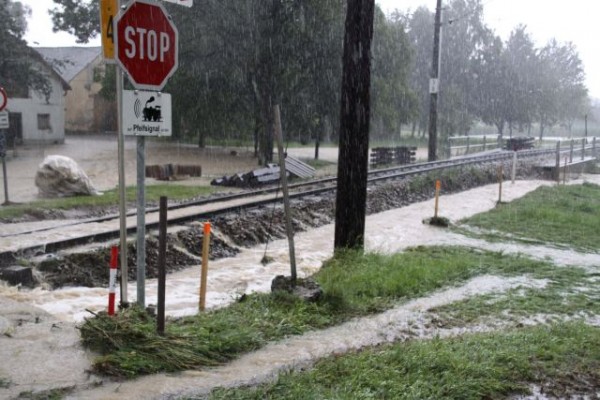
pixel 204 271
pixel 112 280
pixel 438 186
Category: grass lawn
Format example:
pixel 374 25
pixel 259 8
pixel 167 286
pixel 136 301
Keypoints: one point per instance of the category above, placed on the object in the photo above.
pixel 561 215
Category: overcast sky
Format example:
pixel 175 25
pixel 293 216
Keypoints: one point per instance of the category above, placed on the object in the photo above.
pixel 566 20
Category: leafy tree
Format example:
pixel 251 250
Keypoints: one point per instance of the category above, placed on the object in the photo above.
pixel 18 69
pixel 493 93
pixel 463 34
pixel 560 92
pixel 420 33
pixel 78 17
pixel 521 57
pixel 394 102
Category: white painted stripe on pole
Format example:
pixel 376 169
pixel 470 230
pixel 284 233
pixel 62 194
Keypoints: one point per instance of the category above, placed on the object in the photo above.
pixel 112 281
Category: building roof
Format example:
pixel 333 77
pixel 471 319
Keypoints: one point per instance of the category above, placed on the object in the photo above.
pixel 69 61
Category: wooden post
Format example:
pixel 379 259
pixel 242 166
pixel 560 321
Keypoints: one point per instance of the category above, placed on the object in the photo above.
pixel 286 196
pixel 571 152
pixel 162 258
pixel 514 167
pixel 484 142
pixel 557 172
pixel 468 144
pixel 438 186
pixel 565 172
pixel 500 179
pixel 204 271
pixel 594 147
pixel 583 149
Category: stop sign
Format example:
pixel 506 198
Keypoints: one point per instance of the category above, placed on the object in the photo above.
pixel 147 44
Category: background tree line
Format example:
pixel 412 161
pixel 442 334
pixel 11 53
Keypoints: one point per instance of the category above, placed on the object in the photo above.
pixel 239 58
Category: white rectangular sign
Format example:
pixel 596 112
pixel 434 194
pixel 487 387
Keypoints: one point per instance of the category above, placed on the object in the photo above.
pixel 187 3
pixel 434 86
pixel 146 113
pixel 4 120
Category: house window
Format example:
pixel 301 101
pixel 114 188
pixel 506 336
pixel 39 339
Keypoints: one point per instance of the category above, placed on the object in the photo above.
pixel 44 122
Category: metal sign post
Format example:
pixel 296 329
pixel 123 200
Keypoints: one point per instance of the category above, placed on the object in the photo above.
pixel 147 49
pixel 4 124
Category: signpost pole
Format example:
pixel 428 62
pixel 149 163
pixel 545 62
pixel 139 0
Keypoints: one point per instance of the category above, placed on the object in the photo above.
pixel 141 222
pixel 122 209
pixel 6 200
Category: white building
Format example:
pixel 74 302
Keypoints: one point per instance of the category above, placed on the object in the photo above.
pixel 34 118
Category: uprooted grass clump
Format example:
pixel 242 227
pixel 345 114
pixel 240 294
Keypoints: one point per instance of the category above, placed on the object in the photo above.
pixel 353 284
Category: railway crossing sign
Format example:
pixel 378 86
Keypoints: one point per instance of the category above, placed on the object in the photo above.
pixel 147 44
pixel 146 113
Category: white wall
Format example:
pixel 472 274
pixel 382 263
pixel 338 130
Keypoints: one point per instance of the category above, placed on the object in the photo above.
pixel 36 104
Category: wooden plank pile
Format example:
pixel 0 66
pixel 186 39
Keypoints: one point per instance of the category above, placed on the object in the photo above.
pixel 268 175
pixel 167 172
pixel 392 156
pixel 519 143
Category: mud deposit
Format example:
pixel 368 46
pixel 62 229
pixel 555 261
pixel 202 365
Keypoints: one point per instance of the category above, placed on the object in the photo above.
pixel 88 269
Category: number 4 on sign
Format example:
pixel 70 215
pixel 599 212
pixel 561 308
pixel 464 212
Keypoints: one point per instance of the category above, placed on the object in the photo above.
pixel 108 11
pixel 187 3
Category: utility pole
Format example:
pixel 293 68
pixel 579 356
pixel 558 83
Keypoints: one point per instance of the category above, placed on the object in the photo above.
pixel 434 84
pixel 586 131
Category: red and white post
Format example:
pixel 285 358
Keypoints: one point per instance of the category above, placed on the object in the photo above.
pixel 112 280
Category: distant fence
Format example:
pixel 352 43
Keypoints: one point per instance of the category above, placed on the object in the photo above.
pixel 461 145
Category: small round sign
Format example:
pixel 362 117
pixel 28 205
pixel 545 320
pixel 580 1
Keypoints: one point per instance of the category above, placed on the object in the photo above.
pixel 3 99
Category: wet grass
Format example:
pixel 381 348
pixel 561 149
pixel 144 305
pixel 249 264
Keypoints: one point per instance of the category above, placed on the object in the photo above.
pixel 563 358
pixel 570 294
pixel 567 216
pixel 354 284
pixel 109 198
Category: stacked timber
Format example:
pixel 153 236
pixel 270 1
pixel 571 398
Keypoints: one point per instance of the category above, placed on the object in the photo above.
pixel 519 143
pixel 167 172
pixel 400 155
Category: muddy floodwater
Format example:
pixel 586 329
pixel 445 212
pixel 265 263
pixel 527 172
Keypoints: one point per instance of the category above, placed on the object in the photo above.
pixel 39 324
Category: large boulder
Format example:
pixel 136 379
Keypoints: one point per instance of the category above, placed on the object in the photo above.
pixel 60 176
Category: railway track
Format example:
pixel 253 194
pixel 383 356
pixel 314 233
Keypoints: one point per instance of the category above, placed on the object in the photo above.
pixel 62 235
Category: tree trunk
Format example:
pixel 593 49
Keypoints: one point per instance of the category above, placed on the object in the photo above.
pixel 350 212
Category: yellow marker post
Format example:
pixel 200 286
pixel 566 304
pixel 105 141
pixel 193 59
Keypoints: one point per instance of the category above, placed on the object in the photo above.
pixel 108 11
pixel 204 271
pixel 438 186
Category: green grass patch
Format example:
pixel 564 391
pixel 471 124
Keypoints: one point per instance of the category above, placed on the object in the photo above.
pixel 564 358
pixel 354 284
pixel 562 215
pixel 107 199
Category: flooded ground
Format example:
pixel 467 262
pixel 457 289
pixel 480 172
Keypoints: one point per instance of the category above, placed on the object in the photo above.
pixel 33 328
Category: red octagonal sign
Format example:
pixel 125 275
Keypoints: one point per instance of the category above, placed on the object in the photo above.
pixel 147 44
